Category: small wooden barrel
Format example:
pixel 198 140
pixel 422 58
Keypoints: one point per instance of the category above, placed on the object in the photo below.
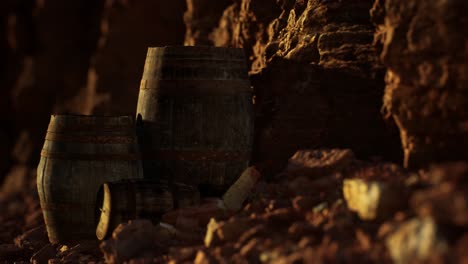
pixel 81 153
pixel 195 110
pixel 121 201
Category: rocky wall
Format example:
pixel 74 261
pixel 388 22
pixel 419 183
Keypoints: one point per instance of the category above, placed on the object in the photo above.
pixel 425 48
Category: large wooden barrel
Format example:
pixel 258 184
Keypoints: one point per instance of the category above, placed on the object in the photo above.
pixel 195 111
pixel 126 200
pixel 81 153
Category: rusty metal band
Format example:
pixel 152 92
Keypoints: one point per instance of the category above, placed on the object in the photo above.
pixel 82 156
pixel 51 136
pixel 174 155
pixel 181 59
pixel 197 87
pixel 53 127
pixel 61 206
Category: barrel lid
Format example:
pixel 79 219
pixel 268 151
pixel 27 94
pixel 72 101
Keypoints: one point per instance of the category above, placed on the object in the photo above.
pixel 91 118
pixel 104 220
pixel 198 52
pixel 61 122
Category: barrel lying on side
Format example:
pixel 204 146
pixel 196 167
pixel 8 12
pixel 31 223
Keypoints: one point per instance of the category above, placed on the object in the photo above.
pixel 81 153
pixel 121 201
pixel 195 104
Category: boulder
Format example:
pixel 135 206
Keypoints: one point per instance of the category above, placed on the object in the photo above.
pixel 373 199
pixel 415 240
pixel 318 163
pixel 426 57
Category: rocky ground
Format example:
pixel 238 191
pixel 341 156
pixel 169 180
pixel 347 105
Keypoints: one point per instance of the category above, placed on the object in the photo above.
pixel 324 207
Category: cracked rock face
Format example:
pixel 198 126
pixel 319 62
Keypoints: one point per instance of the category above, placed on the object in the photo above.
pixel 427 59
pixel 315 73
pixel 333 34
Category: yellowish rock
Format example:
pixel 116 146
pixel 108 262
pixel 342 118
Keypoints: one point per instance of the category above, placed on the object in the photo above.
pixel 415 240
pixel 211 237
pixel 372 199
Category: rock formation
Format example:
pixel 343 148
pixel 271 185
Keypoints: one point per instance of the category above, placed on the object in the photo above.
pixel 426 54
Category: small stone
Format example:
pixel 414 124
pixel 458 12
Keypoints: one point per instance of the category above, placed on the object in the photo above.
pixel 320 207
pixel 318 163
pixel 306 241
pixel 85 251
pixel 282 216
pixel 372 199
pixel 250 249
pixel 259 230
pixel 299 229
pixel 203 258
pixel 211 237
pixel 227 231
pixel 415 240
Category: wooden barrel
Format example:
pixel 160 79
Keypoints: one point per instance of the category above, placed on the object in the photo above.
pixel 121 201
pixel 81 153
pixel 195 111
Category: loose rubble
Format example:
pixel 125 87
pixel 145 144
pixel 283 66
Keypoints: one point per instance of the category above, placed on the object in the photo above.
pixel 352 211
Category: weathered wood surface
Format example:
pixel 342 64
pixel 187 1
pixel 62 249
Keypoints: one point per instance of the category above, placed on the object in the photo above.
pixel 126 200
pixel 81 153
pixel 195 108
